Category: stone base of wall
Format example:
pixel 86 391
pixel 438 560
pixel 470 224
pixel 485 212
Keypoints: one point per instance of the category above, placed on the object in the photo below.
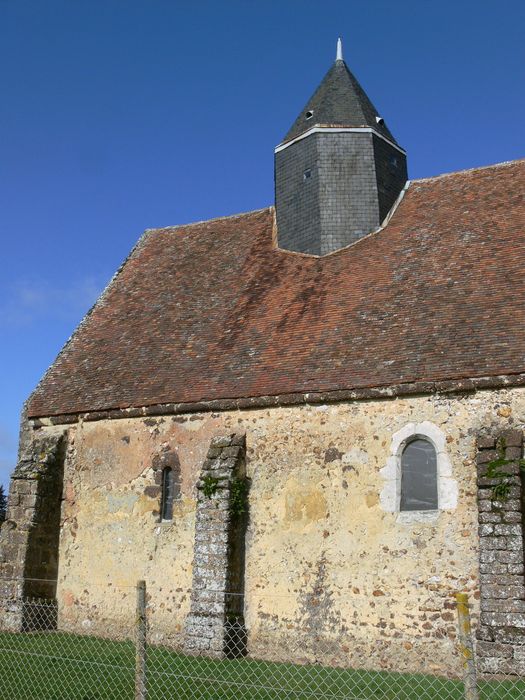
pixel 501 634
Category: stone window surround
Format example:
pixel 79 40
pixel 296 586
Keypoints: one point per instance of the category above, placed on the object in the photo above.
pixel 390 497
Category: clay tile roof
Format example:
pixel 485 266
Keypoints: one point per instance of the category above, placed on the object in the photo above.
pixel 339 101
pixel 213 310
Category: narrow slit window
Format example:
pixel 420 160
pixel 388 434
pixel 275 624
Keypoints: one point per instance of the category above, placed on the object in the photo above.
pixel 419 476
pixel 167 493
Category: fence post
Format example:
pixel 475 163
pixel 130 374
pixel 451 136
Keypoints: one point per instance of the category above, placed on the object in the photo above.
pixel 140 643
pixel 466 647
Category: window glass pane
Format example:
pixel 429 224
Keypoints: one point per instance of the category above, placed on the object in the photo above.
pixel 167 494
pixel 419 476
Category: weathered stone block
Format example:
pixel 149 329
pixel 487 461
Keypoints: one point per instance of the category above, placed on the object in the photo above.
pixel 512 452
pixel 492 665
pixel 485 442
pixel 491 517
pixel 486 456
pixel 511 480
pixel 230 452
pixel 490 543
pixel 512 530
pixel 514 492
pixel 512 517
pixel 486 556
pixel 485 634
pixel 221 441
pixel 509 635
pixel 501 579
pixel 502 605
pixel 213 453
pixel 502 591
pixel 495 619
pixel 494 568
pixel 494 649
pixel 239 439
pixel 486 529
pixel 516 568
pixel 512 438
pixel 484 506
pixel 505 557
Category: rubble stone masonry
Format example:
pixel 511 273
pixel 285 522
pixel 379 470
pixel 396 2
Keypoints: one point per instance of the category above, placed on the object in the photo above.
pixel 324 558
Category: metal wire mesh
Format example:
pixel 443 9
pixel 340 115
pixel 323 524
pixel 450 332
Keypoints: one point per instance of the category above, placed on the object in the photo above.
pixel 72 650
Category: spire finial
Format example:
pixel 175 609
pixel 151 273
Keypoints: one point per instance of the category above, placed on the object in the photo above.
pixel 339 54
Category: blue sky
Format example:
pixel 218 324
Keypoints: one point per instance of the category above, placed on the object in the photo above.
pixel 120 115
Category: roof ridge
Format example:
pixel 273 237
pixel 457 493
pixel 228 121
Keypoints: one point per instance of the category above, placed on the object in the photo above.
pixel 209 221
pixel 502 164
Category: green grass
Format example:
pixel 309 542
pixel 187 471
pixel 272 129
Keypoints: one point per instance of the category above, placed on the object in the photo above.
pixel 58 666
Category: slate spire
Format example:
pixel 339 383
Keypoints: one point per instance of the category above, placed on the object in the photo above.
pixel 338 171
pixel 338 101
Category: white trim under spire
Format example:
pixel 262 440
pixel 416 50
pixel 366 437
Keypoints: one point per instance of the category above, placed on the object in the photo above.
pixel 320 129
pixel 339 52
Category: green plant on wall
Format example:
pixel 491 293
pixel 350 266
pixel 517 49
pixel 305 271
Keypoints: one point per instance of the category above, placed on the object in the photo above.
pixel 210 485
pixel 500 491
pixel 238 492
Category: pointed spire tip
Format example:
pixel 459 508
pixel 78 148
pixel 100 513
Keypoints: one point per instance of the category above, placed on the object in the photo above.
pixel 339 54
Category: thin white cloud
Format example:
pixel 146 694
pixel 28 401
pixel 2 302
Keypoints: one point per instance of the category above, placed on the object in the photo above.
pixel 32 301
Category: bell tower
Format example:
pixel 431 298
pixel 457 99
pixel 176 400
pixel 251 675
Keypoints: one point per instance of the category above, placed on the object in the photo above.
pixel 338 171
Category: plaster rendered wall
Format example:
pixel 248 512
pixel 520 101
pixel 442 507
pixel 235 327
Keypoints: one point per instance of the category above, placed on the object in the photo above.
pixel 323 553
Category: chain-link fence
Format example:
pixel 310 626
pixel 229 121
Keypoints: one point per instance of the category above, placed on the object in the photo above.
pixel 128 645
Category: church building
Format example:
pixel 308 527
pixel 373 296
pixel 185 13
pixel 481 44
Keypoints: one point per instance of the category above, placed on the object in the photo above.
pixel 308 417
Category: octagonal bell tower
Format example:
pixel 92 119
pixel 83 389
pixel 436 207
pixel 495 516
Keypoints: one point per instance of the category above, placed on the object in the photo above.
pixel 338 171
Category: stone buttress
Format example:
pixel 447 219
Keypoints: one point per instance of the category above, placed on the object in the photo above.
pixel 215 624
pixel 501 497
pixel 29 537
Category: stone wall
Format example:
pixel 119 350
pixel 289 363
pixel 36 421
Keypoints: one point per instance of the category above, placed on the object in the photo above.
pixel 501 634
pixel 323 555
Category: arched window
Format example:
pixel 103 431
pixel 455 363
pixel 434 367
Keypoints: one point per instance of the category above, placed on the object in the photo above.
pixel 167 493
pixel 419 487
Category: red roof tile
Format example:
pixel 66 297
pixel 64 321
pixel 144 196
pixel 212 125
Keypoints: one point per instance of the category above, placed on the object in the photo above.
pixel 213 310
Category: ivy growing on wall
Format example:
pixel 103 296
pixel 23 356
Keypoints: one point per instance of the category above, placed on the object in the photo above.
pixel 500 490
pixel 210 485
pixel 238 492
